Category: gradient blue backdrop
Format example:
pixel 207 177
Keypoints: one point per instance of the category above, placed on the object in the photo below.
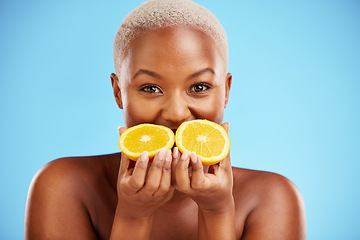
pixel 294 105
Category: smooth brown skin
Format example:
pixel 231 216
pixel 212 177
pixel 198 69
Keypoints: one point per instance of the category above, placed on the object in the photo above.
pixel 168 76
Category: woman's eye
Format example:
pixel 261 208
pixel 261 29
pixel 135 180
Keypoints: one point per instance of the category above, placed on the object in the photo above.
pixel 199 87
pixel 151 89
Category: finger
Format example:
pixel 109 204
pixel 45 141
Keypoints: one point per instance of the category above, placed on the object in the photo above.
pixel 226 126
pixel 154 176
pixel 174 162
pixel 175 158
pixel 224 165
pixel 121 129
pixel 197 177
pixel 124 165
pixel 175 155
pixel 165 183
pixel 137 179
pixel 182 181
pixel 125 161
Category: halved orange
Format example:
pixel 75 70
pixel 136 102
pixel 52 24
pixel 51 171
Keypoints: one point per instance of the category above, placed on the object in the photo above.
pixel 145 137
pixel 207 139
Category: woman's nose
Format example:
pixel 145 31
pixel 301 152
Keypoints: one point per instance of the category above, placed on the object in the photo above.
pixel 176 109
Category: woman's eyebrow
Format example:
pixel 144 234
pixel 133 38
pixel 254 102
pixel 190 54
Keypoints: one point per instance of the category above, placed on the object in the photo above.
pixel 201 72
pixel 147 72
pixel 156 75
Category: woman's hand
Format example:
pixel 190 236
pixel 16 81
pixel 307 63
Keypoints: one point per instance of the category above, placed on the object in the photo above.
pixel 143 189
pixel 212 189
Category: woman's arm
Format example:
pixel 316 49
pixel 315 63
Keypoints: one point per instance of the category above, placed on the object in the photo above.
pixel 131 228
pixel 217 224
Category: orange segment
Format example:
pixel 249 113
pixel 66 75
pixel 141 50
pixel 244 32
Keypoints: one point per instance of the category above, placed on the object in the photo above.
pixel 207 139
pixel 145 137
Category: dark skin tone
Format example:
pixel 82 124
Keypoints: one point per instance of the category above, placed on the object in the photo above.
pixel 103 197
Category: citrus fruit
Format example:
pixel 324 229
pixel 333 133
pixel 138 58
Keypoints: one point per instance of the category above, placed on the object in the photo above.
pixel 207 139
pixel 145 137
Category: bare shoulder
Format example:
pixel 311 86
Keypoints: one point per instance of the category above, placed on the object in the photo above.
pixel 75 173
pixel 274 206
pixel 58 195
pixel 263 184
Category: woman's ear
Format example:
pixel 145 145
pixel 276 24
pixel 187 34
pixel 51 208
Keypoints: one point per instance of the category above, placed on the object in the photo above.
pixel 228 82
pixel 116 88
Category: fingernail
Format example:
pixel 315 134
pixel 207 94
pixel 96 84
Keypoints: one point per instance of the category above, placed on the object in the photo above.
pixel 175 152
pixel 193 157
pixel 168 155
pixel 185 155
pixel 162 153
pixel 143 156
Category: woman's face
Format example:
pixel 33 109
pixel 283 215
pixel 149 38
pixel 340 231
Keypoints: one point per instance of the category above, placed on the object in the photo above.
pixel 170 76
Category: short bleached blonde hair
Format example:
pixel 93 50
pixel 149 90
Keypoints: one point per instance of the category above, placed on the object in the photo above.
pixel 156 14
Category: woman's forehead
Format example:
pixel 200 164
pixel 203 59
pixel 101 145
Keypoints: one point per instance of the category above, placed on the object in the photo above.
pixel 174 47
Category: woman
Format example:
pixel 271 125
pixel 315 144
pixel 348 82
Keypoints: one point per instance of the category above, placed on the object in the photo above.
pixel 170 61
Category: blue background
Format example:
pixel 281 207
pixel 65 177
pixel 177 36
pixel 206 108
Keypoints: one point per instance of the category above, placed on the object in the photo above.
pixel 294 105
